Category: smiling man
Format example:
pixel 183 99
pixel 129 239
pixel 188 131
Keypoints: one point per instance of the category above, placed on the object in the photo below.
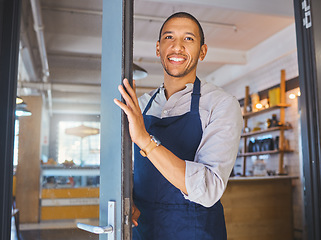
pixel 186 136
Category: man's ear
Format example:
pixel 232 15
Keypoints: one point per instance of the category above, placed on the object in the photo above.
pixel 203 52
pixel 157 49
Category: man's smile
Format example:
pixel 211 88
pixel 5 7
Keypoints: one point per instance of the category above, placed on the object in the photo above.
pixel 177 59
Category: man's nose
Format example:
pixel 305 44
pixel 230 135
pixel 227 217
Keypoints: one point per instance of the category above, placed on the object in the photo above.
pixel 178 45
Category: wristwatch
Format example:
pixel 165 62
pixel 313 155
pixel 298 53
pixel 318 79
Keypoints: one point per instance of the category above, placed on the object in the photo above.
pixel 154 142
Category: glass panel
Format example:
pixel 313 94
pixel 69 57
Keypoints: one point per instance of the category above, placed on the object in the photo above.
pixel 79 143
pixel 57 144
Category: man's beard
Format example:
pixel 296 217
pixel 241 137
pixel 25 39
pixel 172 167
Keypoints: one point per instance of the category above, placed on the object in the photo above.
pixel 179 75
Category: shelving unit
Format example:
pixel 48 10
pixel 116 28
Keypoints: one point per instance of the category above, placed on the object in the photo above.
pixel 273 129
pixel 252 114
pixel 248 154
pixel 246 115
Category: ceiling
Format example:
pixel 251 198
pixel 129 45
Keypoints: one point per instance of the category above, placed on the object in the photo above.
pixel 72 38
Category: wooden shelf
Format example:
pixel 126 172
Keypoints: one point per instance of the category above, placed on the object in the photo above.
pixel 281 108
pixel 248 154
pixel 265 131
pixel 252 114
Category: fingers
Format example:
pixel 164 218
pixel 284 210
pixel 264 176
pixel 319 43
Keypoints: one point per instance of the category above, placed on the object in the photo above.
pixel 129 101
pixel 135 215
pixel 135 222
pixel 134 85
pixel 129 97
pixel 123 106
pixel 131 90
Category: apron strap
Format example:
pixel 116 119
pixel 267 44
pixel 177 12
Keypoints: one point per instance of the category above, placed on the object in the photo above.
pixel 196 95
pixel 150 102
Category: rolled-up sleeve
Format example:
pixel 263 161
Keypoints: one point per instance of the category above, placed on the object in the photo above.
pixel 206 178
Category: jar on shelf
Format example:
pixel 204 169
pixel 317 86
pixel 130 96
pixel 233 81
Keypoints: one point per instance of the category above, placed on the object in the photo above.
pixel 274 121
pixel 255 99
pixel 259 168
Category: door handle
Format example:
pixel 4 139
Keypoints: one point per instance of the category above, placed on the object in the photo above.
pixel 95 229
pixel 110 229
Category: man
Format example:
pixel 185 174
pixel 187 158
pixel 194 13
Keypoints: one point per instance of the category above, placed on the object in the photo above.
pixel 186 142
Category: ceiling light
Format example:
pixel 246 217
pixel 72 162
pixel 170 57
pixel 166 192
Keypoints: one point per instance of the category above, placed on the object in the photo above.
pixel 258 105
pixel 22 111
pixel 292 96
pixel 138 72
pixel 19 100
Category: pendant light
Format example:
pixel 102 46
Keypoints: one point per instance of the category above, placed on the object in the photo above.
pixel 138 72
pixel 21 108
pixel 19 100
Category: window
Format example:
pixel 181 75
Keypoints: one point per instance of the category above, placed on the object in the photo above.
pixel 79 142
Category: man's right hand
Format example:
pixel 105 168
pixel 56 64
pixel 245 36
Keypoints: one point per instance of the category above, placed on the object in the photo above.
pixel 135 215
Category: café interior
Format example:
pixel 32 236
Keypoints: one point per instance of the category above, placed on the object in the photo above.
pixel 252 54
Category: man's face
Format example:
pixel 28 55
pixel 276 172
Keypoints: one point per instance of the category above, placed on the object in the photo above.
pixel 179 47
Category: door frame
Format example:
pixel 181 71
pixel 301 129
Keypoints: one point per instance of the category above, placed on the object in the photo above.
pixel 10 11
pixel 116 149
pixel 309 61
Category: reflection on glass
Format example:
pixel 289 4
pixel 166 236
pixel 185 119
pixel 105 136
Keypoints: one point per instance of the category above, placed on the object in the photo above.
pixel 70 185
pixel 16 143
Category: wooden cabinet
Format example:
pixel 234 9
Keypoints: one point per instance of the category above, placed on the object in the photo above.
pixel 258 208
pixel 246 135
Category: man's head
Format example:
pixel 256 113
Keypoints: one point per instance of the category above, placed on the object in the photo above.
pixel 184 15
pixel 181 46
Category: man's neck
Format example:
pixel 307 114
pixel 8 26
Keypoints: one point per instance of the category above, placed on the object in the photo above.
pixel 173 85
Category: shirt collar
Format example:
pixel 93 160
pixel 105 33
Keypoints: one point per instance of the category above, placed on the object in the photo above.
pixel 189 87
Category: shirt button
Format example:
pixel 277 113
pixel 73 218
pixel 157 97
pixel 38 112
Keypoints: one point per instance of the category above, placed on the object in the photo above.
pixel 165 111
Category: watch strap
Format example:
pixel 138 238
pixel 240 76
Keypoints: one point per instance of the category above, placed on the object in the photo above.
pixel 151 145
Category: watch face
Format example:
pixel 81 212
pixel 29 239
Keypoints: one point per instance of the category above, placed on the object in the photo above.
pixel 156 140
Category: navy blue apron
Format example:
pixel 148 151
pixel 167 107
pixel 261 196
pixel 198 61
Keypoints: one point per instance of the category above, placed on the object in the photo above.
pixel 165 213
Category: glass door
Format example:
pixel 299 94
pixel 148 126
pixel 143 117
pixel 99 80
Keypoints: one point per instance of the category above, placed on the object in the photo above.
pixel 72 150
pixel 57 147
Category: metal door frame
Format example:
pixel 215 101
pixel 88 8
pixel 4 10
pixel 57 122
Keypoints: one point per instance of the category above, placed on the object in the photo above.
pixel 116 145
pixel 9 49
pixel 308 32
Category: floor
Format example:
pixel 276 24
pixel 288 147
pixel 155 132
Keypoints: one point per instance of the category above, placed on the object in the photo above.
pixel 57 234
pixel 55 230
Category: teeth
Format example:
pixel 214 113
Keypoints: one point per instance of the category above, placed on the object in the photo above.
pixel 176 59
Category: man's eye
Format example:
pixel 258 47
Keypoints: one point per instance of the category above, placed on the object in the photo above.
pixel 189 38
pixel 168 37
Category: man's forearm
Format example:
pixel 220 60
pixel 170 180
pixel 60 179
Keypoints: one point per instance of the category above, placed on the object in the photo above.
pixel 170 166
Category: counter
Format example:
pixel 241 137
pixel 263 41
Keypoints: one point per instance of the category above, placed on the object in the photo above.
pixel 69 192
pixel 261 178
pixel 259 208
pixel 69 171
pixel 255 207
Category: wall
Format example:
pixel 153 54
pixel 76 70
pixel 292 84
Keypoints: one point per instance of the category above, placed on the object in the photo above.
pixel 258 80
pixel 28 169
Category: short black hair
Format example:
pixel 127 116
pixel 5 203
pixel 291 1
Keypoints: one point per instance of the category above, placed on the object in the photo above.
pixel 184 15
